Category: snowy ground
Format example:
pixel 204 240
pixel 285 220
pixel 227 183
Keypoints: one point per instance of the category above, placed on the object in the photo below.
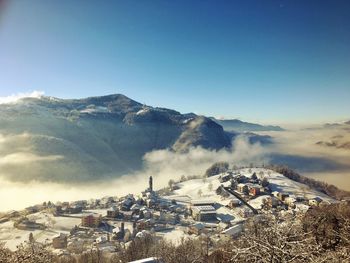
pixel 175 236
pixel 257 202
pixel 13 236
pixel 280 183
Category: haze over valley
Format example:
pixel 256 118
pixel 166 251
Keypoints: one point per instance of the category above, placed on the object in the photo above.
pixel 77 147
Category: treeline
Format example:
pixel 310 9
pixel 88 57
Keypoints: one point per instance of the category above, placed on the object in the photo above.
pixel 323 187
pixel 321 235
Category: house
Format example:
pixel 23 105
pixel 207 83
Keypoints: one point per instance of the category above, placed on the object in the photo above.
pixel 324 203
pixel 196 229
pixel 234 202
pixel 272 202
pixel 74 209
pixel 315 201
pixel 202 202
pixel 275 193
pixel 246 212
pixel 145 224
pixel 151 202
pixel 60 241
pixel 142 234
pixel 300 198
pixel 163 205
pixel 113 212
pixel 242 188
pixel 31 209
pixel 146 212
pixel 126 204
pixel 91 220
pixel 254 189
pixel 204 213
pixel 148 260
pixel 222 226
pixel 302 208
pixel 127 215
pixel 135 208
pixel 290 201
pixel 233 231
pixel 101 239
pixel 119 232
pixel 225 178
pixel 282 196
pixel 81 203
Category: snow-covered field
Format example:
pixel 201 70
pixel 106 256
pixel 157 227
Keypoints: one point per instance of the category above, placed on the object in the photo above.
pixel 280 183
pixel 175 236
pixel 13 236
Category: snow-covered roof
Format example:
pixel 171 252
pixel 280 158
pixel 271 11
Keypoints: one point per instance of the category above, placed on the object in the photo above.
pixel 202 202
pixel 203 208
pixel 199 226
pixel 147 260
pixel 234 230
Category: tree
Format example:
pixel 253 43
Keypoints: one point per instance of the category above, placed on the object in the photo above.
pixel 261 174
pixel 254 177
pixel 217 168
pixel 31 237
pixel 200 192
pixel 183 178
pixel 171 184
pixel 265 182
pixel 234 184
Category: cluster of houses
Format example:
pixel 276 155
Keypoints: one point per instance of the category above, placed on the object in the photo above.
pixel 134 216
pixel 151 213
pixel 292 200
pixel 250 186
pixel 145 213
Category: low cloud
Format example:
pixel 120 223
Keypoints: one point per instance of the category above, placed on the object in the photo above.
pixel 164 165
pixel 25 158
pixel 16 97
pixel 197 159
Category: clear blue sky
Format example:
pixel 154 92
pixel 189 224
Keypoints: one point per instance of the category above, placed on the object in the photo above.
pixel 268 61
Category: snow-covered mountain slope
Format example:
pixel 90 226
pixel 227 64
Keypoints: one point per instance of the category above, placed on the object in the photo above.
pixel 53 139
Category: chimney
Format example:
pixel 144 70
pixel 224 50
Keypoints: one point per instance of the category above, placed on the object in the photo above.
pixel 122 227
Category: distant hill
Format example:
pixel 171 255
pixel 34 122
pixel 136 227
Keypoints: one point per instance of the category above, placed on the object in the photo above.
pixel 81 139
pixel 241 126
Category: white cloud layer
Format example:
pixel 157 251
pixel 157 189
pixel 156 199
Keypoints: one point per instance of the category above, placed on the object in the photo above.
pixel 16 97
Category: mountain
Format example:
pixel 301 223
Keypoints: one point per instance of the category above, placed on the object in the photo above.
pixel 241 126
pixel 53 139
pixel 336 136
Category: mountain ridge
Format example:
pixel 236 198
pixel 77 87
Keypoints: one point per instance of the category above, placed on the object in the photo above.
pixel 94 137
pixel 241 126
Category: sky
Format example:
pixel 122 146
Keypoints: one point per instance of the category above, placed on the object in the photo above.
pixel 266 61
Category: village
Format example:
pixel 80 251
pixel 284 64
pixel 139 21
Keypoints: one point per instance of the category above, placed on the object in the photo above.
pixel 215 207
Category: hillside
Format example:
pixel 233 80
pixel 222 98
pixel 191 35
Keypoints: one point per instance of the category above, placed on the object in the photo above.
pixel 71 140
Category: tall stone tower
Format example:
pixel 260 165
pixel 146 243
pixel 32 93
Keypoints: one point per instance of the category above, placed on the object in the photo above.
pixel 150 182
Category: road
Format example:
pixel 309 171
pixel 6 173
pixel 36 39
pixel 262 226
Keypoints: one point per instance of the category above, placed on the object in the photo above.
pixel 228 189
